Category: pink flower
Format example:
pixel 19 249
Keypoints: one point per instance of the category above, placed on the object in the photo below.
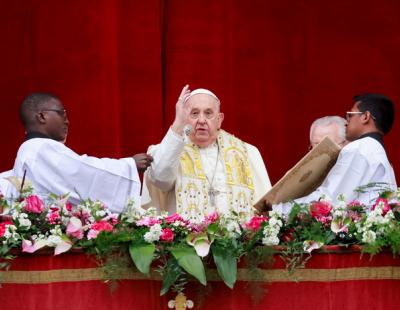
pixel 148 221
pixel 29 246
pixel 174 218
pixel 212 217
pixel 54 217
pixel 74 228
pixel 167 235
pixel 68 206
pixel 3 227
pixel 255 222
pixel 97 227
pixel 34 204
pixel 386 206
pixel 320 210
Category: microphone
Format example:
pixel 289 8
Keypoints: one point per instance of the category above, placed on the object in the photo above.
pixel 187 129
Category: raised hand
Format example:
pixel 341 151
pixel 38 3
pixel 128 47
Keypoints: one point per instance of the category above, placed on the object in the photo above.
pixel 182 111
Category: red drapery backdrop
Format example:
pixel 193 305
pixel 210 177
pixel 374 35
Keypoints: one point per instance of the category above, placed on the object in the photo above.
pixel 118 66
pixel 330 281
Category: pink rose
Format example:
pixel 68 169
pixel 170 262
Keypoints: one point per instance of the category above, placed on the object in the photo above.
pixel 4 226
pixel 54 217
pixel 34 204
pixel 386 206
pixel 97 227
pixel 255 222
pixel 174 218
pixel 167 235
pixel 320 208
pixel 148 221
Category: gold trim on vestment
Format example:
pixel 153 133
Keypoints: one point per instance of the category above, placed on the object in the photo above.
pixel 192 188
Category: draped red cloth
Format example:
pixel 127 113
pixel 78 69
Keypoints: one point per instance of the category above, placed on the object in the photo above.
pixel 329 281
pixel 119 66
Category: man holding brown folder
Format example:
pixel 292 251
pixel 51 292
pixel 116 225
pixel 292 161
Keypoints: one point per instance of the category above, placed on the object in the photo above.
pixel 363 161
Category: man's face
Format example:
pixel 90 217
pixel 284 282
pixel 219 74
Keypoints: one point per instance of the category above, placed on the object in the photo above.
pixel 354 124
pixel 332 131
pixel 205 119
pixel 56 125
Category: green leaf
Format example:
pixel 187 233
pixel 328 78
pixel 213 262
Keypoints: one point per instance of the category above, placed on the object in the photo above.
pixel 190 262
pixel 142 255
pixel 226 265
pixel 172 273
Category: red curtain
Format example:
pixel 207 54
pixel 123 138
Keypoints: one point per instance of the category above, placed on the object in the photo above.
pixel 118 66
pixel 330 281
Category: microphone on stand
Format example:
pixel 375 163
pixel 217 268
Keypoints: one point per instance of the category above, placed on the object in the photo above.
pixel 187 129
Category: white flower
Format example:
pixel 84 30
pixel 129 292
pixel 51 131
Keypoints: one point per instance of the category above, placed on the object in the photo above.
pixel 368 236
pixel 25 222
pixel 154 233
pixel 100 213
pixel 270 240
pixel 53 240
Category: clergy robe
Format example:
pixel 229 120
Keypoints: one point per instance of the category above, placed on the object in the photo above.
pixel 160 179
pixel 54 168
pixel 360 162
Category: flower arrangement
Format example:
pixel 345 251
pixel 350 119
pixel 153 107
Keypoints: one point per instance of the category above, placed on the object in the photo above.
pixel 179 249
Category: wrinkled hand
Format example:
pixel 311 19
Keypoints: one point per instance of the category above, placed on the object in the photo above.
pixel 143 161
pixel 182 111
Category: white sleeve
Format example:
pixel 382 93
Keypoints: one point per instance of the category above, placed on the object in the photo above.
pixel 262 184
pixel 345 176
pixel 164 168
pixel 57 169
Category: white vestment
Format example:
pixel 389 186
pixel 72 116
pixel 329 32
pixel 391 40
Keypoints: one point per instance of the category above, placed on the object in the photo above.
pixel 160 179
pixel 360 162
pixel 4 183
pixel 54 168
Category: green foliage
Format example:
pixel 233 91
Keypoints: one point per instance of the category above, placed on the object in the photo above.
pixel 226 262
pixel 189 261
pixel 142 255
pixel 173 275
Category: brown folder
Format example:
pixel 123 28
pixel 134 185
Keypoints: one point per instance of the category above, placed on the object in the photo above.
pixel 305 176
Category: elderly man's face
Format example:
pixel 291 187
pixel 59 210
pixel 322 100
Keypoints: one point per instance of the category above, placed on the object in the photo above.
pixel 205 119
pixel 331 131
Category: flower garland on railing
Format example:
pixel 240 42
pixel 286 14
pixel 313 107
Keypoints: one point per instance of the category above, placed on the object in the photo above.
pixel 179 248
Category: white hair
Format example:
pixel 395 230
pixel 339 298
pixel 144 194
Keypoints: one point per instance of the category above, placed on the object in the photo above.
pixel 204 91
pixel 328 120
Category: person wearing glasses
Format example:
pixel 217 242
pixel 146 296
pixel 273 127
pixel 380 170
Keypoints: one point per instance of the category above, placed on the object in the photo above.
pixel 363 160
pixel 333 127
pixel 52 167
pixel 199 168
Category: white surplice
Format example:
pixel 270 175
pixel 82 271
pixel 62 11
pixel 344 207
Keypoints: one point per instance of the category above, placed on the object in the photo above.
pixel 360 162
pixel 159 179
pixel 5 185
pixel 54 168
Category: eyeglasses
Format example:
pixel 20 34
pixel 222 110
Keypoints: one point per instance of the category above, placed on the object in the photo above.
pixel 351 113
pixel 61 112
pixel 207 114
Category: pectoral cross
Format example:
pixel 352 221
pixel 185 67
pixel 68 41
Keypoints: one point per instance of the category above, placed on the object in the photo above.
pixel 211 193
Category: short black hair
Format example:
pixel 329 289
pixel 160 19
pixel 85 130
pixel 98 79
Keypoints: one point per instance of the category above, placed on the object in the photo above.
pixel 32 104
pixel 380 107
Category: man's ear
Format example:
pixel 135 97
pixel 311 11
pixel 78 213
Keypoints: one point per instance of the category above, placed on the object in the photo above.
pixel 221 118
pixel 40 117
pixel 366 117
